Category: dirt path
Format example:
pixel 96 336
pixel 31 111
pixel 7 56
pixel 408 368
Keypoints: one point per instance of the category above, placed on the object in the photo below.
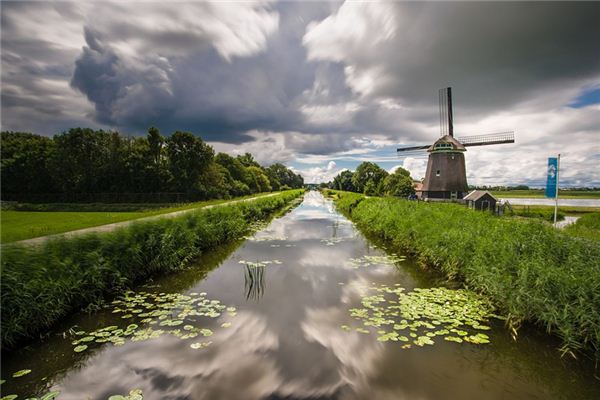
pixel 116 225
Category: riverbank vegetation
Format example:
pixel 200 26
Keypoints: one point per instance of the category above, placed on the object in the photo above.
pixel 85 165
pixel 588 226
pixel 42 284
pixel 531 271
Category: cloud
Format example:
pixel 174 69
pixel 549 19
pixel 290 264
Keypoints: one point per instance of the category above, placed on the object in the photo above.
pixel 325 173
pixel 306 83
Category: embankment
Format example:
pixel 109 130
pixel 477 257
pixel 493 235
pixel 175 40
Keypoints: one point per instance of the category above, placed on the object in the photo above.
pixel 530 270
pixel 42 284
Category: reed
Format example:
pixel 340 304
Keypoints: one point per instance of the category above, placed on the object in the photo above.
pixel 530 270
pixel 42 284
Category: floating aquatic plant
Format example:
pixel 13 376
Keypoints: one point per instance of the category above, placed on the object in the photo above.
pixel 366 260
pixel 21 373
pixel 422 315
pixel 135 394
pixel 160 313
pixel 332 241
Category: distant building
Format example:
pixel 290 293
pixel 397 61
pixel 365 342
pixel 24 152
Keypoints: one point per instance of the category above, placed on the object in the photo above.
pixel 481 200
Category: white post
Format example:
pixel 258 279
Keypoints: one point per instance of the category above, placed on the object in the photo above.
pixel 556 196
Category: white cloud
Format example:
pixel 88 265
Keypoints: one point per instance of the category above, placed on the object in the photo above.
pixel 325 173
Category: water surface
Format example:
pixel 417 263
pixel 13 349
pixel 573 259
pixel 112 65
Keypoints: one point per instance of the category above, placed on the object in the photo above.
pixel 285 340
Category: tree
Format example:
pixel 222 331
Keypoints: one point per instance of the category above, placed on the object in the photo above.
pixel 247 160
pixel 24 163
pixel 398 184
pixel 259 181
pixel 81 161
pixel 156 144
pixel 343 181
pixel 365 172
pixel 188 156
pixel 233 165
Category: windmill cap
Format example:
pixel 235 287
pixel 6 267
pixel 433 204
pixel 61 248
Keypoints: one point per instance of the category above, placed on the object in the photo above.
pixel 445 141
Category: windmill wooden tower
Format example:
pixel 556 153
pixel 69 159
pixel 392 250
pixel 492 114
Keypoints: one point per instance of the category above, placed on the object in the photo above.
pixel 446 176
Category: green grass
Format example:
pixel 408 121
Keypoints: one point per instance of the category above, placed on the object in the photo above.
pixel 42 284
pixel 587 226
pixel 21 225
pixel 530 270
pixel 562 194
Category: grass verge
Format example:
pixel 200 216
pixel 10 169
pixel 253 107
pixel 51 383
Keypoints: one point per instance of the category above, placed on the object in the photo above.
pixel 562 194
pixel 530 270
pixel 587 226
pixel 21 225
pixel 41 284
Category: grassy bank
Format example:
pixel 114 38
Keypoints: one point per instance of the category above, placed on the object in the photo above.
pixel 532 271
pixel 539 193
pixel 41 284
pixel 588 227
pixel 52 219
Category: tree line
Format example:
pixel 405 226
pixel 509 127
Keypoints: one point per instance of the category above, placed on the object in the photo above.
pixel 372 180
pixel 84 160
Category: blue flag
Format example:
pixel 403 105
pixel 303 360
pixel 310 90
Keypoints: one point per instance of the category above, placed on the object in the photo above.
pixel 551 179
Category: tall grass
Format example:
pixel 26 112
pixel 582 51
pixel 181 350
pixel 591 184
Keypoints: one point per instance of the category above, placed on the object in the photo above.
pixel 588 227
pixel 532 271
pixel 42 284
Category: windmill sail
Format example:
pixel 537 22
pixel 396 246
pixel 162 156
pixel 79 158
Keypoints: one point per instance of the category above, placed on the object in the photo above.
pixel 485 140
pixel 446 117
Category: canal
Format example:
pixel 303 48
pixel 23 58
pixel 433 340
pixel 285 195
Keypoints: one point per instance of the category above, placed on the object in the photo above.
pixel 305 308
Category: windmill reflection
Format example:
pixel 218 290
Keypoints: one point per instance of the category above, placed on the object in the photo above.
pixel 254 281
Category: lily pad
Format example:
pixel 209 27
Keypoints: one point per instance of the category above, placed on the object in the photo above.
pixel 21 373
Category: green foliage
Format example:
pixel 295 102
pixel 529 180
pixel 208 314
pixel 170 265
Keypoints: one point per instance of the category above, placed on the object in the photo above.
pixel 540 212
pixel 367 177
pixel 588 227
pixel 372 180
pixel 188 156
pixel 80 163
pixel 530 270
pixel 398 184
pixel 258 182
pixel 343 181
pixel 49 219
pixel 41 284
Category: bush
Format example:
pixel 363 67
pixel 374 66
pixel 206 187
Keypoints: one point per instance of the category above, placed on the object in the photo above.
pixel 40 285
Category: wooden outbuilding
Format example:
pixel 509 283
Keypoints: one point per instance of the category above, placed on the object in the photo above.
pixel 481 200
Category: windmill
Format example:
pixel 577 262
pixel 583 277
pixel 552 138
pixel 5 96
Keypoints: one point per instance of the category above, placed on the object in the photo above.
pixel 446 176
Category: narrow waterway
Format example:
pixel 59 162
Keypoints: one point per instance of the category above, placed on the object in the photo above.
pixel 270 318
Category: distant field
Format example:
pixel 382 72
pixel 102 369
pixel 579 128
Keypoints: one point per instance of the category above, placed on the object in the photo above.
pixel 21 225
pixel 567 210
pixel 565 194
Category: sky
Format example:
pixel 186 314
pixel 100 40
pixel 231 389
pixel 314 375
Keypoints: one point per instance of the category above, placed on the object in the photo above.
pixel 318 86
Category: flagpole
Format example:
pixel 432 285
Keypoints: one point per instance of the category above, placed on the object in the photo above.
pixel 556 193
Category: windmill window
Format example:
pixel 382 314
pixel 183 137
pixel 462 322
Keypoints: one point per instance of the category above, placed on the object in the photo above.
pixel 438 172
pixel 443 146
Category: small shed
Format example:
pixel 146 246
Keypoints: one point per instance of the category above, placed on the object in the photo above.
pixel 480 200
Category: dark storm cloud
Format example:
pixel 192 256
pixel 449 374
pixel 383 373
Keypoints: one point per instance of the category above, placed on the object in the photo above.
pixel 198 90
pixel 292 79
pixel 494 54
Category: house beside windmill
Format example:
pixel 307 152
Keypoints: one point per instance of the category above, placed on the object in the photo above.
pixel 446 175
pixel 481 200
